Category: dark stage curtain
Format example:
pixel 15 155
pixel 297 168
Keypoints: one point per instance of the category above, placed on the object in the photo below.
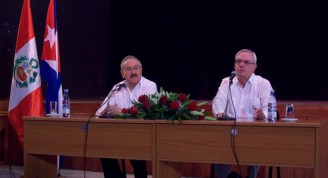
pixel 185 45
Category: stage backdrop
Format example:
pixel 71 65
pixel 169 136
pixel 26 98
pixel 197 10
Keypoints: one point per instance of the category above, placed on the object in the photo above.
pixel 184 45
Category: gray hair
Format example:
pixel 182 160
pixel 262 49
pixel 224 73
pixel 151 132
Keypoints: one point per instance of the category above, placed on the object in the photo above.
pixel 128 57
pixel 249 51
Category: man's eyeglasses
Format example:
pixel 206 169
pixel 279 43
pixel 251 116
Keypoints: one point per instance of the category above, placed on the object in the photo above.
pixel 246 62
pixel 129 69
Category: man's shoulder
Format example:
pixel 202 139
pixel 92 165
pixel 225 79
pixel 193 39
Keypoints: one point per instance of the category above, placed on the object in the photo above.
pixel 147 81
pixel 226 79
pixel 148 86
pixel 260 79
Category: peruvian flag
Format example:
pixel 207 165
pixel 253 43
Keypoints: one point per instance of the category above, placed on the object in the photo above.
pixel 26 92
pixel 50 60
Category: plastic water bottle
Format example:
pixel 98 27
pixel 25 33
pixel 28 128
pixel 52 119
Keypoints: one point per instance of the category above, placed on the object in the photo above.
pixel 66 104
pixel 272 107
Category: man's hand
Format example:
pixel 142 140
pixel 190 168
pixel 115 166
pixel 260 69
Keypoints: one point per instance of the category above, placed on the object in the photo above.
pixel 258 114
pixel 219 115
pixel 114 110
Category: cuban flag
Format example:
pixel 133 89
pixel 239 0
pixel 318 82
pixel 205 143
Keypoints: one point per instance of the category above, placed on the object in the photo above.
pixel 26 92
pixel 50 65
pixel 50 60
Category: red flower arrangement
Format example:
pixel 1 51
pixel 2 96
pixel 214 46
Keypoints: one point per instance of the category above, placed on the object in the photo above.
pixel 165 105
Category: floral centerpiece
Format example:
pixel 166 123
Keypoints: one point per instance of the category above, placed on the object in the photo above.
pixel 166 106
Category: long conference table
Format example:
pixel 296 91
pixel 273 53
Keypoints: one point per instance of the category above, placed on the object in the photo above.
pixel 287 144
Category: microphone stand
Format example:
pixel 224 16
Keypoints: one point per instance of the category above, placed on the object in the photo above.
pixel 86 125
pixel 225 117
pixel 117 88
pixel 234 132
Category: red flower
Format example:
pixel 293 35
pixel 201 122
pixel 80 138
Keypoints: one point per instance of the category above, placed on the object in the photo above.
pixel 201 118
pixel 181 97
pixel 134 110
pixel 192 106
pixel 175 105
pixel 146 105
pixel 143 98
pixel 163 100
pixel 125 110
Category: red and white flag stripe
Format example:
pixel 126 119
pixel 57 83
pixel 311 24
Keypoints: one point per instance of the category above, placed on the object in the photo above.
pixel 26 92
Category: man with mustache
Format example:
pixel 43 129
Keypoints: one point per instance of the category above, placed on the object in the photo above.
pixel 133 86
pixel 248 99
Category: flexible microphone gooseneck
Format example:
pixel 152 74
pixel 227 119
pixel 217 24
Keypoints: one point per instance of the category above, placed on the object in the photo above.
pixel 86 130
pixel 225 117
pixel 118 87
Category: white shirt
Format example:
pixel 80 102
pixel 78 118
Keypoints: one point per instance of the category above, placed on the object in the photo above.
pixel 124 97
pixel 255 93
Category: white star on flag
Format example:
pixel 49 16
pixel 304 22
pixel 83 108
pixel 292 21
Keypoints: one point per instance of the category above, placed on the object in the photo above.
pixel 51 36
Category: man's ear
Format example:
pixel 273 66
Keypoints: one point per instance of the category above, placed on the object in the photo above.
pixel 255 67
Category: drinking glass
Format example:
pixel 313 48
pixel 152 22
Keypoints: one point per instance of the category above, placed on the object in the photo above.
pixel 289 111
pixel 53 107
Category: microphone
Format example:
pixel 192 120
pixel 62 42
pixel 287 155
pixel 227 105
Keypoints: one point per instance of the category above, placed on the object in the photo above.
pixel 119 86
pixel 233 75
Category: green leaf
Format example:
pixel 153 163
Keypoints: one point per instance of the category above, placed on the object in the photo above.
pixel 208 118
pixel 202 103
pixel 197 113
pixel 185 103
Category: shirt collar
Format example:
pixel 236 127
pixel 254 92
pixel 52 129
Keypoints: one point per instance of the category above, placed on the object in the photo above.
pixel 138 84
pixel 251 80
